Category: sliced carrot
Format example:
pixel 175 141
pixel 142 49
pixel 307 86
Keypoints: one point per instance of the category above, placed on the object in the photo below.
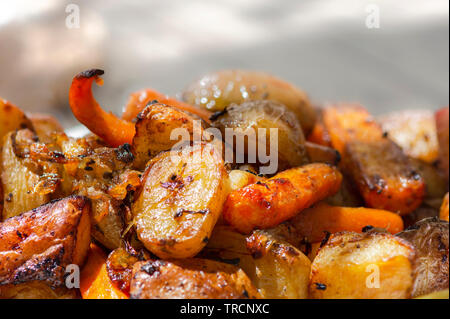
pixel 113 130
pixel 444 209
pixel 269 203
pixel 315 222
pixel 380 170
pixel 95 282
pixel 140 99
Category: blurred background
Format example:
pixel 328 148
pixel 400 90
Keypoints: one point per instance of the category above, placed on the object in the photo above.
pixel 322 46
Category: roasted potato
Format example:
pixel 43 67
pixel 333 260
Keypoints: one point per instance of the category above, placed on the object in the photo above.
pixel 435 182
pixel 11 119
pixel 322 154
pixel 442 118
pixel 191 278
pixel 36 290
pixel 154 128
pixel 239 179
pixel 45 127
pixel 414 131
pixel 217 91
pixel 430 239
pixel 276 268
pixel 181 200
pixel 253 123
pixel 363 266
pixel 20 176
pixel 38 245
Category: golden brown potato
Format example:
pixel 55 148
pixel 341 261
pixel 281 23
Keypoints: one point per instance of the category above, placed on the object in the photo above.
pixel 154 127
pixel 239 179
pixel 36 290
pixel 362 266
pixel 12 118
pixel 181 200
pixel 414 131
pixel 443 294
pixel 276 268
pixel 20 176
pixel 247 119
pixel 45 127
pixel 218 90
pixel 38 245
pixel 191 278
pixel 430 239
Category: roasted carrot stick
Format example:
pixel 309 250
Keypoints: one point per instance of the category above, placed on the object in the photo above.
pixel 313 223
pixel 140 99
pixel 380 170
pixel 95 282
pixel 444 209
pixel 113 130
pixel 269 203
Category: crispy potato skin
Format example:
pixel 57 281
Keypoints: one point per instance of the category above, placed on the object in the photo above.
pixel 414 131
pixel 442 118
pixel 276 268
pixel 191 278
pixel 384 176
pixel 39 244
pixel 379 168
pixel 181 200
pixel 12 118
pixel 315 222
pixel 19 177
pixel 154 127
pixel 346 267
pixel 216 91
pixel 430 239
pixel 443 214
pixel 267 204
pixel 45 127
pixel 249 118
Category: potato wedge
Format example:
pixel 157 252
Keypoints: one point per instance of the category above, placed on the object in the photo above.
pixel 363 266
pixel 154 127
pixel 19 177
pixel 414 131
pixel 191 278
pixel 250 120
pixel 45 127
pixel 443 214
pixel 442 118
pixel 276 268
pixel 40 244
pixel 267 204
pixel 218 90
pixel 11 119
pixel 380 170
pixel 181 200
pixel 430 239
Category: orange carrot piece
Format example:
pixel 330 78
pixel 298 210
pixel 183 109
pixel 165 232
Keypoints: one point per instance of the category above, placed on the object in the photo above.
pixel 269 203
pixel 313 223
pixel 113 130
pixel 140 99
pixel 95 282
pixel 444 209
pixel 381 171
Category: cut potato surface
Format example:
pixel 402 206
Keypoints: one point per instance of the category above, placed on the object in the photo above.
pixel 181 201
pixel 363 266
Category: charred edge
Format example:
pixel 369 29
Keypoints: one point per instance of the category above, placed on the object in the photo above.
pixel 320 286
pixel 367 228
pixel 338 158
pixel 218 114
pixel 182 211
pixel 124 154
pixel 325 240
pixel 90 73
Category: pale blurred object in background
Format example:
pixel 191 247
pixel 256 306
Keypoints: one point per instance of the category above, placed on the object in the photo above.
pixel 322 46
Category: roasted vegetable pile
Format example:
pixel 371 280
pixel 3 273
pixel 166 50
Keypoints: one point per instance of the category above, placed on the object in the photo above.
pixel 241 190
